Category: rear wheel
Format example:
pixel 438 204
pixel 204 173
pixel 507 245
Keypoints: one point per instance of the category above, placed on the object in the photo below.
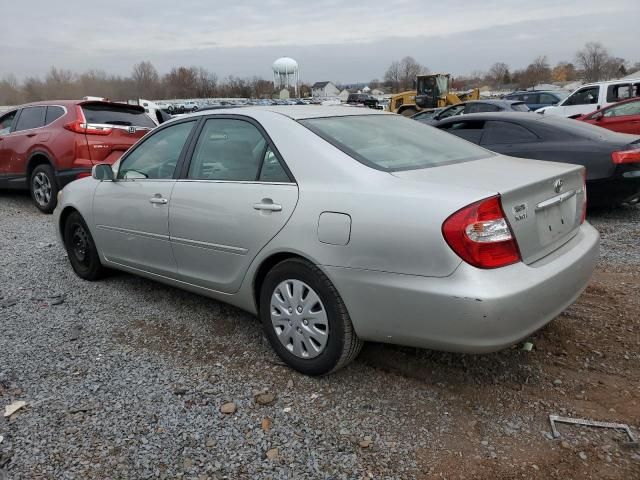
pixel 305 319
pixel 82 251
pixel 43 188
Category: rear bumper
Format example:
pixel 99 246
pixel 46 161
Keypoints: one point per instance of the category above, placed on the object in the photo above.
pixel 64 177
pixel 472 310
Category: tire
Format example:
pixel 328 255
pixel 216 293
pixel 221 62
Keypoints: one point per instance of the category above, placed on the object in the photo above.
pixel 43 188
pixel 408 112
pixel 312 351
pixel 81 249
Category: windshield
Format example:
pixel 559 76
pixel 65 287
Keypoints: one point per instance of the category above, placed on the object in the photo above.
pixel 520 107
pixel 392 142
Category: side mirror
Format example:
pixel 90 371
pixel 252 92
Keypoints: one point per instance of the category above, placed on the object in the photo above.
pixel 102 172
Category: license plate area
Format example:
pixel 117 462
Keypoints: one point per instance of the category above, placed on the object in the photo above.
pixel 556 221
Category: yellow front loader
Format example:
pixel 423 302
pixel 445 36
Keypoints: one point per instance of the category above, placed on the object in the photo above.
pixel 432 91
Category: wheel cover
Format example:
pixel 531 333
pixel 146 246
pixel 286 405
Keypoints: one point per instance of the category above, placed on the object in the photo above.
pixel 42 189
pixel 299 319
pixel 80 244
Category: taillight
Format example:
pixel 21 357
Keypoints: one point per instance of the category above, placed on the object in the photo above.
pixel 481 236
pixel 81 125
pixel 627 156
pixel 584 196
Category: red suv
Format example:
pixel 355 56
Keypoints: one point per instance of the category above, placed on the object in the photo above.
pixel 45 145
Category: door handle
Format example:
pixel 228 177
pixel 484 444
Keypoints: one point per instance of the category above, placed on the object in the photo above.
pixel 158 200
pixel 31 135
pixel 269 207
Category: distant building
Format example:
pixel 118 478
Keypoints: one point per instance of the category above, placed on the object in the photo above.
pixel 324 89
pixel 284 94
pixel 344 95
pixel 377 92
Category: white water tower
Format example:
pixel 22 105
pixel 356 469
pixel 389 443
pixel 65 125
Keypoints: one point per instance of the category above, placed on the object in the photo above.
pixel 286 74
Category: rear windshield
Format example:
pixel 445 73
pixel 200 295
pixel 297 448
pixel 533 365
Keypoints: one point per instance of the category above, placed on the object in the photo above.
pixel 520 107
pixel 393 142
pixel 116 115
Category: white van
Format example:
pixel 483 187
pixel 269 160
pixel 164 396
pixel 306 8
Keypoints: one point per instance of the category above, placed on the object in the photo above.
pixel 594 96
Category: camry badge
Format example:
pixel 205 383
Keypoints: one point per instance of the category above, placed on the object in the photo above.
pixel 557 185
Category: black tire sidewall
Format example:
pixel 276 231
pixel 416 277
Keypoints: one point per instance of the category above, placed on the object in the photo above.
pixel 48 171
pixel 300 270
pixel 94 269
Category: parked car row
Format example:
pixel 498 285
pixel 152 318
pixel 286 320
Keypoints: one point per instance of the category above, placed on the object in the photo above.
pixel 337 226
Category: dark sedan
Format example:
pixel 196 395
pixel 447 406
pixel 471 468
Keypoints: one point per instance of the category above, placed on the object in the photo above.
pixel 475 106
pixel 539 99
pixel 612 159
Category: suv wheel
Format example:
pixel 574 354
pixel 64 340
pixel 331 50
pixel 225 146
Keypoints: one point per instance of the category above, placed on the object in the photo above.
pixel 305 319
pixel 44 189
pixel 81 249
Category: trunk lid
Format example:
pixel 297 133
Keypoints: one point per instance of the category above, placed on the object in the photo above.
pixel 542 201
pixel 127 124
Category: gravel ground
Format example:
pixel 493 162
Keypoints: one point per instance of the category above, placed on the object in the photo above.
pixel 126 378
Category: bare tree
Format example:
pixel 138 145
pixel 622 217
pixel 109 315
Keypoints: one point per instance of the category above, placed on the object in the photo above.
pixel 409 70
pixel 146 79
pixel 498 72
pixel 595 61
pixel 401 75
pixel 10 93
pixel 393 76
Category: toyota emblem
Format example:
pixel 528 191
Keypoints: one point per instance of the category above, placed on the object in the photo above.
pixel 557 185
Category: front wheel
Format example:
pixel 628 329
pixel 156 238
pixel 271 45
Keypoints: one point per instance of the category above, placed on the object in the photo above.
pixel 81 249
pixel 305 319
pixel 43 188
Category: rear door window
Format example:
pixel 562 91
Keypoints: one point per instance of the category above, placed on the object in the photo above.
pixel 105 114
pixel 53 113
pixel 497 132
pixel 30 117
pixel 616 93
pixel 584 96
pixel 469 130
pixel 547 98
pixel 228 149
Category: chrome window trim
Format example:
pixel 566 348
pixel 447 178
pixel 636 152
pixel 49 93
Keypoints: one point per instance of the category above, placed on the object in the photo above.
pixel 248 182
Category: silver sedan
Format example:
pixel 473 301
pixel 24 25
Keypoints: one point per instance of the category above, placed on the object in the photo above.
pixel 339 225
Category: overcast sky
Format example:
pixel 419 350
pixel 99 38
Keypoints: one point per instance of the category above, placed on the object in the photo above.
pixel 330 39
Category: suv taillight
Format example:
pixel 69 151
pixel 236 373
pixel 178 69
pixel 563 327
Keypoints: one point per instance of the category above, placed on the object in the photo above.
pixel 81 125
pixel 481 236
